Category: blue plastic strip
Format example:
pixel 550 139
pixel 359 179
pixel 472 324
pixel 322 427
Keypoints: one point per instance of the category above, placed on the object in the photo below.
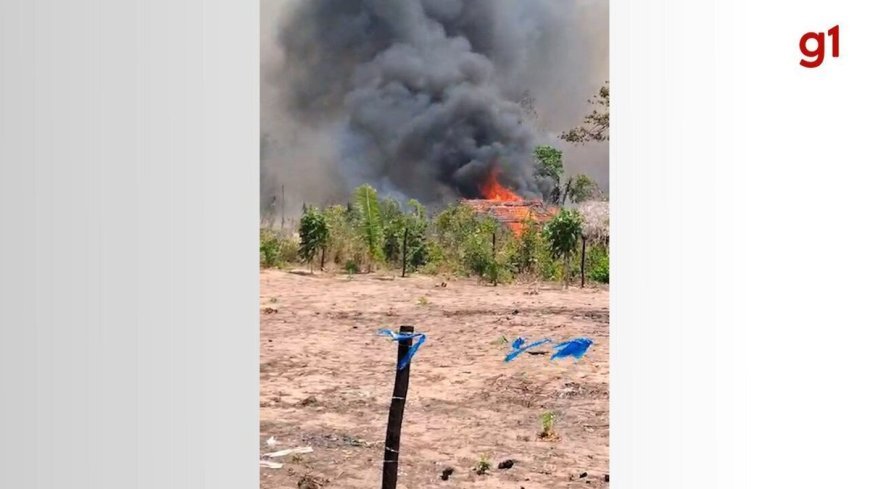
pixel 405 336
pixel 518 348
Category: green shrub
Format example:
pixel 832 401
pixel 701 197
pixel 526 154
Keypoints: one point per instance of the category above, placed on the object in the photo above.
pixel 371 232
pixel 598 264
pixel 313 236
pixel 268 249
pixel 277 249
pixel 343 244
pixel 563 234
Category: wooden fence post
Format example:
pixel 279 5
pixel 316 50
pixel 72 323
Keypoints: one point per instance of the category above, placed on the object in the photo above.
pixel 404 252
pixel 397 412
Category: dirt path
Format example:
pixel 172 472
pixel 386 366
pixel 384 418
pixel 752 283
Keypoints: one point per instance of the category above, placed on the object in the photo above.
pixel 326 380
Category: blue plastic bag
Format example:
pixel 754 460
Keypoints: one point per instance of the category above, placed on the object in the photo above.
pixel 572 348
pixel 405 336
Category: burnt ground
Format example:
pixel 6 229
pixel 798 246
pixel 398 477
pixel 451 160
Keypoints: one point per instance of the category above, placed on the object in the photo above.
pixel 326 380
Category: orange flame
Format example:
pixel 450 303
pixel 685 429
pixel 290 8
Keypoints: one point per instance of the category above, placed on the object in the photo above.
pixel 491 189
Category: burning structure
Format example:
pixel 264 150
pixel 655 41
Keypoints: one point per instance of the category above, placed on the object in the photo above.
pixel 417 98
pixel 506 207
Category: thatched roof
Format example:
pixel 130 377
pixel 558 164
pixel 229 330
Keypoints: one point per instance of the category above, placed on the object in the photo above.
pixel 596 215
pixel 596 220
pixel 513 213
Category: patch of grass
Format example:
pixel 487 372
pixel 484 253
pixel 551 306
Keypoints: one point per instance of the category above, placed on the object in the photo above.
pixel 273 300
pixel 483 465
pixel 354 441
pixel 422 301
pixel 351 267
pixel 277 249
pixel 548 430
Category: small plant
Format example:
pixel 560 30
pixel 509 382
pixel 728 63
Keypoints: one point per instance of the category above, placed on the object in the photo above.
pixel 422 301
pixel 483 465
pixel 351 267
pixel 502 340
pixel 273 300
pixel 548 431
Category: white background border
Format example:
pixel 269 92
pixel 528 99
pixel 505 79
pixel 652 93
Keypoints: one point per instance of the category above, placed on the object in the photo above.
pixel 128 274
pixel 738 185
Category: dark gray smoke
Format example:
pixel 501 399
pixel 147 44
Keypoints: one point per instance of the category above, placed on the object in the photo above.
pixel 420 97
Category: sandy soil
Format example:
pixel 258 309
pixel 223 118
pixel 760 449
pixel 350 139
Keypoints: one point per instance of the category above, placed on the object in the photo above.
pixel 326 380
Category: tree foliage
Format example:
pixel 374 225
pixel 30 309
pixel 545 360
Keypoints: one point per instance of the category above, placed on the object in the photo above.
pixel 417 226
pixel 345 248
pixel 549 161
pixel 456 241
pixel 550 169
pixel 596 125
pixel 394 229
pixel 599 264
pixel 404 232
pixel 313 235
pixel 369 221
pixel 580 189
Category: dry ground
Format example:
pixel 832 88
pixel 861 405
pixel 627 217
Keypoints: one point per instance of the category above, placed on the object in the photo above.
pixel 326 380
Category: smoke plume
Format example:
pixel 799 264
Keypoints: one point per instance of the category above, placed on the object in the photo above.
pixel 420 97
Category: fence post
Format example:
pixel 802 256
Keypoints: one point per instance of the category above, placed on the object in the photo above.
pixel 283 205
pixel 404 251
pixel 583 263
pixel 494 263
pixel 397 411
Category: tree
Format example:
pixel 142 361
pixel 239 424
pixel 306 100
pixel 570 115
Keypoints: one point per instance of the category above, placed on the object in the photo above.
pixel 580 189
pixel 596 126
pixel 404 233
pixel 416 225
pixel 549 168
pixel 369 222
pixel 562 234
pixel 313 236
pixel 393 229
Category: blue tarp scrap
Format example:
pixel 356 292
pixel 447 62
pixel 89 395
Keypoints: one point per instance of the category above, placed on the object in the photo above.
pixel 405 336
pixel 517 348
pixel 572 348
pixel 576 348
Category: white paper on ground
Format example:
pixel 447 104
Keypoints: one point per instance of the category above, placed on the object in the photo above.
pixel 288 451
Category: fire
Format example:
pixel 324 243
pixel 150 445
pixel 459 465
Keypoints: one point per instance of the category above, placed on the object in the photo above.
pixel 493 190
pixel 520 216
pixel 507 207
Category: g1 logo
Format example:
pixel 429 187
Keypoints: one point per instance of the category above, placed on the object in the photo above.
pixel 816 57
